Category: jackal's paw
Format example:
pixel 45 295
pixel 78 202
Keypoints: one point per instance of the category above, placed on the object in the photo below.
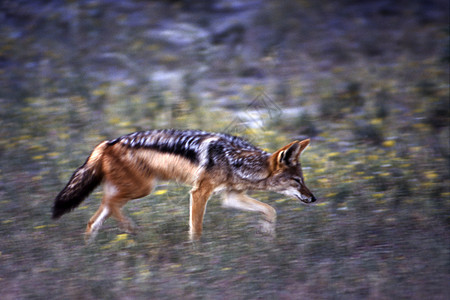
pixel 267 227
pixel 194 236
pixel 89 237
pixel 129 227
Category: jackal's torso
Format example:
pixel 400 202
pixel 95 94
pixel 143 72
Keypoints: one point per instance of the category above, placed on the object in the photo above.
pixel 183 155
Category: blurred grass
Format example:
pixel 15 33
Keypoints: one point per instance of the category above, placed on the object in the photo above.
pixel 378 162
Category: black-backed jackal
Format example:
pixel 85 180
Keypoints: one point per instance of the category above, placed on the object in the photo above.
pixel 129 166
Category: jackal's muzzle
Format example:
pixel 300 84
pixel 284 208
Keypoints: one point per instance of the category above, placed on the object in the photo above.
pixel 307 199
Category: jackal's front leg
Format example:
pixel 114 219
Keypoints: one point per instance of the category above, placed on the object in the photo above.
pixel 244 202
pixel 199 197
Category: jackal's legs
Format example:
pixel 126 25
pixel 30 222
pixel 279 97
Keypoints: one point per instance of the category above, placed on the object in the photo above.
pixel 199 197
pixel 109 207
pixel 125 223
pixel 96 221
pixel 244 202
pixel 114 198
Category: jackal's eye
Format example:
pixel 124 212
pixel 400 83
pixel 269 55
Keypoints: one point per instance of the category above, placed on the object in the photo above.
pixel 298 181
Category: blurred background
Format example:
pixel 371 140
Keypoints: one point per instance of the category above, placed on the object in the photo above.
pixel 367 81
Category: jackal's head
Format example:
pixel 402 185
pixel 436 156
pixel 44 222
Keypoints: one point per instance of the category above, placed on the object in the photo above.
pixel 287 176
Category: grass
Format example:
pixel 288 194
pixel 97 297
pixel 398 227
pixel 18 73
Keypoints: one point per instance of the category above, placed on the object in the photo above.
pixel 380 228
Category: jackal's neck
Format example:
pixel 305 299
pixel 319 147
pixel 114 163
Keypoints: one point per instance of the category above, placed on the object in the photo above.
pixel 252 169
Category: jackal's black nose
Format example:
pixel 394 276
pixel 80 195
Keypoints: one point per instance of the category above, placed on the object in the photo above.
pixel 313 199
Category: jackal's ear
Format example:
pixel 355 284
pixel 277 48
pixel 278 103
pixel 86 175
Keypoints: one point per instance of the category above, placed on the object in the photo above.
pixel 303 145
pixel 289 154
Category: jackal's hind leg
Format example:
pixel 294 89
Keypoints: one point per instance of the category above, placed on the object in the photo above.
pixel 244 202
pixel 117 195
pixel 125 223
pixel 96 222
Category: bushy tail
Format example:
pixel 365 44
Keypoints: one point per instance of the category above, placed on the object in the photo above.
pixel 83 181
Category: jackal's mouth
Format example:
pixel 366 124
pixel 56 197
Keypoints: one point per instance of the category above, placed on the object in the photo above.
pixel 294 194
pixel 306 199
